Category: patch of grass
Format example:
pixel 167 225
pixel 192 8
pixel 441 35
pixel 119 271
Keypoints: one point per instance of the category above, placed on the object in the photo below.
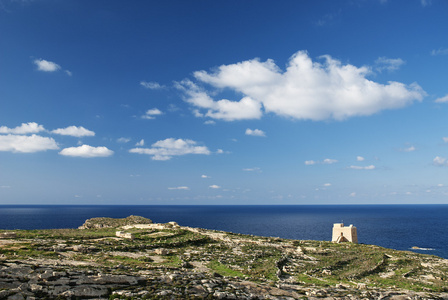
pixel 310 280
pixel 68 233
pixel 223 269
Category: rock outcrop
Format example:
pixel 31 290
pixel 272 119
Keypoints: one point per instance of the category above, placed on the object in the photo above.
pixel 167 261
pixel 113 223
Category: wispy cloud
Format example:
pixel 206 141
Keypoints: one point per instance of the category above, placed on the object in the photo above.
pixel 179 188
pixel 360 158
pixel 307 90
pixel 141 143
pixel 256 169
pixel 255 132
pixel 388 64
pixel 26 144
pixel 440 51
pixel 425 2
pixel 408 149
pixel 371 167
pixel 443 99
pixel 326 161
pixel 152 85
pixel 123 140
pixel 74 131
pixel 166 149
pixel 86 151
pixel 214 186
pixel 440 161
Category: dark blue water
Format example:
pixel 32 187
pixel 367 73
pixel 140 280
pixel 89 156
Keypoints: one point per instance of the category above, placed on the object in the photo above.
pixel 392 226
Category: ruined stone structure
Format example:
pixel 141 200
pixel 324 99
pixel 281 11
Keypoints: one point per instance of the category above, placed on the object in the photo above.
pixel 124 235
pixel 343 233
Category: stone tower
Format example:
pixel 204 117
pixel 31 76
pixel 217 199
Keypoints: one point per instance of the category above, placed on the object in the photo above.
pixel 343 233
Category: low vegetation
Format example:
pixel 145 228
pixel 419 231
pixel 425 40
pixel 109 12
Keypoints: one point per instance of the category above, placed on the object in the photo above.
pixel 258 259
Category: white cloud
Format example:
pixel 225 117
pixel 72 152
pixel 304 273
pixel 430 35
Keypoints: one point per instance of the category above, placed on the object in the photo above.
pixel 209 122
pixel 151 85
pixel 255 132
pixel 46 66
pixel 223 109
pixel 205 176
pixel 353 194
pixel 445 139
pixel 74 131
pixel 166 149
pixel 443 99
pixel 371 167
pixel 150 113
pixel 256 169
pixel 179 188
pixel 440 51
pixel 86 151
pixel 409 149
pixel 329 161
pixel 26 144
pixel 214 186
pixel 327 184
pixel 389 64
pixel 141 143
pixel 307 90
pixel 360 158
pixel 440 161
pixel 219 151
pixel 123 140
pixel 25 128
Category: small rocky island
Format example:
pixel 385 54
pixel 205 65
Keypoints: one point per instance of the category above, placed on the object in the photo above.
pixel 133 258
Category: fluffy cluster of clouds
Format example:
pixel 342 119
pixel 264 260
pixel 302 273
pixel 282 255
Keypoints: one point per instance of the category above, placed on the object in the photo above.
pixel 306 90
pixel 255 132
pixel 74 131
pixel 87 151
pixel 19 140
pixel 26 144
pixel 166 149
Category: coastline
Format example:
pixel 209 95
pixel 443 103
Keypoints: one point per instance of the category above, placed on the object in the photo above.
pixel 114 258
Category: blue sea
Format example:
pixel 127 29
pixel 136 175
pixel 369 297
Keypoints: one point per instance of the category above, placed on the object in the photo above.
pixel 393 226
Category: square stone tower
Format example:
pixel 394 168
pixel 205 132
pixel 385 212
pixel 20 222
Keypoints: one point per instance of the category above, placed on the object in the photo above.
pixel 343 233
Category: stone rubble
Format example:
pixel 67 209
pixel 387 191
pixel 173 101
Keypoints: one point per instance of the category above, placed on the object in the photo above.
pixel 28 281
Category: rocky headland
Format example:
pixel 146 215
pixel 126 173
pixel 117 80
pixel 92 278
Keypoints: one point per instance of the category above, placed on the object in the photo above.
pixel 133 258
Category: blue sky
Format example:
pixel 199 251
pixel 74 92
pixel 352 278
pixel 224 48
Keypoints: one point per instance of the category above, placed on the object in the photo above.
pixel 223 102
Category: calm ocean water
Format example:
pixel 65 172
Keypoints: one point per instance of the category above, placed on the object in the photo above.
pixel 392 226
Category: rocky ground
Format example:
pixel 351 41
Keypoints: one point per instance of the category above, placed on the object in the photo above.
pixel 167 261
